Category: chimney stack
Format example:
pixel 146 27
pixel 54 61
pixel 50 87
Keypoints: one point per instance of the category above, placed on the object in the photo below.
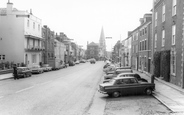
pixel 9 7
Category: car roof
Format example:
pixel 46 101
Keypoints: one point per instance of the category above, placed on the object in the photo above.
pixel 122 78
pixel 21 67
pixel 127 73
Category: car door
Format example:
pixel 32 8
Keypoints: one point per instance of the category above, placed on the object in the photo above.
pixel 130 86
pixel 125 86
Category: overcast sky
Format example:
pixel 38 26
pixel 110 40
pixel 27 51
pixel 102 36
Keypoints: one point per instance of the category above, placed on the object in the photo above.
pixel 82 20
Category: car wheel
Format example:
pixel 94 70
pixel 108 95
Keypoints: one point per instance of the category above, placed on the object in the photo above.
pixel 116 94
pixel 148 91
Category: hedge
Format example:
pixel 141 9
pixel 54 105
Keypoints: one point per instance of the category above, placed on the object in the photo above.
pixel 165 65
pixel 156 63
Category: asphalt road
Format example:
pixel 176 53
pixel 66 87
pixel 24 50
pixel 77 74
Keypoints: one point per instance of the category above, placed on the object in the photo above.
pixel 70 91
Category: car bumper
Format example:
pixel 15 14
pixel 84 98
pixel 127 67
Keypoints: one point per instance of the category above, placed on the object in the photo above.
pixel 35 71
pixel 102 92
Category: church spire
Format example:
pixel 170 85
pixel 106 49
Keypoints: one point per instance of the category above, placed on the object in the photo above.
pixel 102 43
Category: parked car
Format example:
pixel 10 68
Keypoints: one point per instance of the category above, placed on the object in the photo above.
pixel 71 63
pixel 112 75
pixel 46 67
pixel 135 75
pixel 77 62
pixel 24 72
pixel 113 69
pixel 126 86
pixel 118 71
pixel 93 61
pixel 82 61
pixel 37 69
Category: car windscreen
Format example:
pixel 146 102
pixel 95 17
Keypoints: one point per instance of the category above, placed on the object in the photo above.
pixel 112 81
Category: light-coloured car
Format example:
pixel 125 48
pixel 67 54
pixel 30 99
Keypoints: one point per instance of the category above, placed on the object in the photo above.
pixel 46 67
pixel 135 75
pixel 77 62
pixel 116 73
pixel 37 69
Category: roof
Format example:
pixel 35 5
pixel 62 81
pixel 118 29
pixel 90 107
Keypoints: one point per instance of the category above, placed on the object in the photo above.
pixel 93 44
pixel 116 78
pixel 127 73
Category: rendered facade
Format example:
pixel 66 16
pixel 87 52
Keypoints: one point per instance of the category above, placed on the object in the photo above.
pixel 21 36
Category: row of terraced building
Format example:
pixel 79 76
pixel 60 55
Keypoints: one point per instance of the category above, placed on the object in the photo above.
pixel 157 45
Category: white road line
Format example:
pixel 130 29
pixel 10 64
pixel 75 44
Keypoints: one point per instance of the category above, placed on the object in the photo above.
pixel 44 83
pixel 24 89
pixel 1 97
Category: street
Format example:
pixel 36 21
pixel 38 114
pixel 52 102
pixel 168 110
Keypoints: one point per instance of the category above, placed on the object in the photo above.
pixel 71 91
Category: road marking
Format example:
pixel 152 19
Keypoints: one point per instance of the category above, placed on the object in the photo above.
pixel 45 83
pixel 24 89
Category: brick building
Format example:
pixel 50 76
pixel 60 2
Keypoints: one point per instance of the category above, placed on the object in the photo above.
pixel 168 36
pixel 92 51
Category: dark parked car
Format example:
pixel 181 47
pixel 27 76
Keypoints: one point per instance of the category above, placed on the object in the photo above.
pixel 71 63
pixel 92 61
pixel 24 72
pixel 126 86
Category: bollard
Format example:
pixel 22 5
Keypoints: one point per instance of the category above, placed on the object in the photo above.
pixel 152 78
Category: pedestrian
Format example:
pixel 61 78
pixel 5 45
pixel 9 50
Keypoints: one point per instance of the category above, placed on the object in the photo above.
pixel 15 74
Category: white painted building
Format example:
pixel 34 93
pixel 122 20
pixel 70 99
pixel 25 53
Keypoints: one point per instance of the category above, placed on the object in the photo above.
pixel 20 36
pixel 59 50
pixel 126 51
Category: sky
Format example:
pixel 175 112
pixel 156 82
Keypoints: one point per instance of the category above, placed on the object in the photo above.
pixel 82 20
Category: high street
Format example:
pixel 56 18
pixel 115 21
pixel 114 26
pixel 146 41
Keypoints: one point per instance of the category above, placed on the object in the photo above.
pixel 71 91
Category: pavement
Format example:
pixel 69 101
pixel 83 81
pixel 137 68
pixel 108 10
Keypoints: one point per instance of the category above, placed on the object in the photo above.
pixel 6 76
pixel 170 95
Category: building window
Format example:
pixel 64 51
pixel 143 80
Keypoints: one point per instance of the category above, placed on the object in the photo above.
pixel 27 23
pixel 155 40
pixel 145 44
pixel 163 13
pixel 33 25
pixel 174 8
pixel 92 52
pixel 163 38
pixel 173 34
pixel 140 33
pixel 145 63
pixel 173 61
pixel 2 57
pixel 140 62
pixel 145 30
pixel 136 48
pixel 34 58
pixel 38 27
pixel 140 46
pixel 155 19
